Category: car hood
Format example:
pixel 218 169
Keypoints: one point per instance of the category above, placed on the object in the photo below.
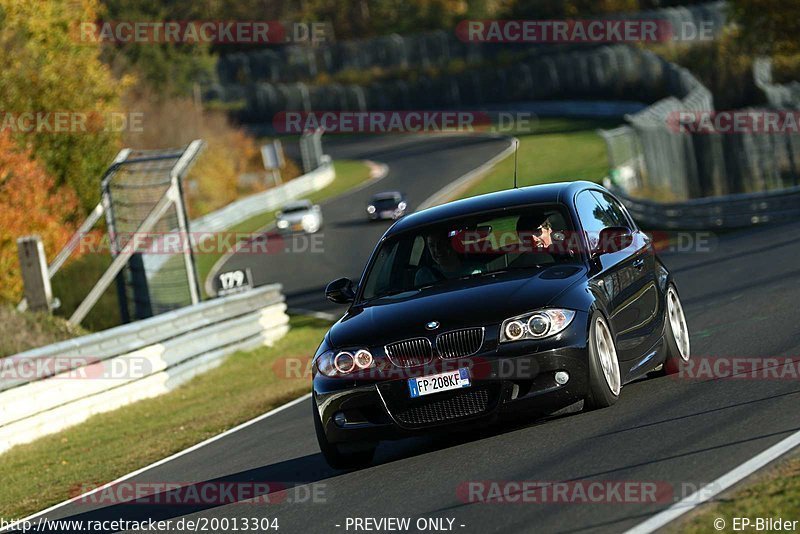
pixel 479 301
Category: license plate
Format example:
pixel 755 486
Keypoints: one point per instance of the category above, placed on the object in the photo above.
pixel 436 383
pixel 297 227
pixel 387 214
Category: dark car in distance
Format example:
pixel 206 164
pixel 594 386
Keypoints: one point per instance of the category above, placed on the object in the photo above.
pixel 387 205
pixel 528 301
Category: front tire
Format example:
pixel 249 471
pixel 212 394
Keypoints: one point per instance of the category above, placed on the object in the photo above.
pixel 356 455
pixel 605 381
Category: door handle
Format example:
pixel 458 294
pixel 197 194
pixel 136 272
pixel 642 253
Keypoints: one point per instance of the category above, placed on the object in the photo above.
pixel 638 263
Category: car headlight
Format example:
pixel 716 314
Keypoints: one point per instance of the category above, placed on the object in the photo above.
pixel 283 223
pixel 309 220
pixel 337 363
pixel 401 206
pixel 538 324
pixel 370 209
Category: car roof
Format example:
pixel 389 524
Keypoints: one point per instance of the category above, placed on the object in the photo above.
pixel 556 193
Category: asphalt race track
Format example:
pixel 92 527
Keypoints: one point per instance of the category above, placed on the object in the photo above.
pixel 740 299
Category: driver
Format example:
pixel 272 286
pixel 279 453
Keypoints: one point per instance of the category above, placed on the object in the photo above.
pixel 535 236
pixel 447 263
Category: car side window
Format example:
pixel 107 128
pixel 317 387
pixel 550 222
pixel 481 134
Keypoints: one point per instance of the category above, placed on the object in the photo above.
pixel 590 214
pixel 614 215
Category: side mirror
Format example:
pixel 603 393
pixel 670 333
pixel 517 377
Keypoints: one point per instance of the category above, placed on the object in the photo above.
pixel 340 291
pixel 613 239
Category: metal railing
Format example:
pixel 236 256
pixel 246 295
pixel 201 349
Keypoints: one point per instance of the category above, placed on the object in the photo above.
pixel 80 377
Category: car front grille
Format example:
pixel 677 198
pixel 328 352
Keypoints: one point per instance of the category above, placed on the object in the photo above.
pixel 410 352
pixel 435 411
pixel 459 343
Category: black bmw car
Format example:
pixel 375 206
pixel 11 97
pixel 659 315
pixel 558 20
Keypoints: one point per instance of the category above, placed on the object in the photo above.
pixel 526 301
pixel 387 205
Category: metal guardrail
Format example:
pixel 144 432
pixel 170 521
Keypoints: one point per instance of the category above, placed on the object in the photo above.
pixel 155 354
pixel 722 212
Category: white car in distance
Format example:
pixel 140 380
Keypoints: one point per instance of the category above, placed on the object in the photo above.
pixel 299 216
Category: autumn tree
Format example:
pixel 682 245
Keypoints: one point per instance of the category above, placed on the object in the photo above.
pixel 30 203
pixel 45 67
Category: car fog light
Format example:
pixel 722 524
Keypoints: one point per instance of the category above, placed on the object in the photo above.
pixel 514 330
pixel 562 377
pixel 340 419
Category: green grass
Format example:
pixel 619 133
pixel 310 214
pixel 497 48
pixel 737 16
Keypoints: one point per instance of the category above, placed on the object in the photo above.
pixel 555 150
pixel 773 494
pixel 39 474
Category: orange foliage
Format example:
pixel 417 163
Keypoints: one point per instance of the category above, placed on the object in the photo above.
pixel 30 203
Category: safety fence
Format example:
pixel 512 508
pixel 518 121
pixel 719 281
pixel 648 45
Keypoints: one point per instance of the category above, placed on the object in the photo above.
pixel 723 212
pixel 617 72
pixel 50 388
pixel 778 95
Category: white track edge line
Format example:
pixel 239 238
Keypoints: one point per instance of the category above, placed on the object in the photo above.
pixel 713 489
pixel 162 461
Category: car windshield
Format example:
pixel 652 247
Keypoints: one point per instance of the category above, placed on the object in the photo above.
pixel 391 201
pixel 295 208
pixel 523 238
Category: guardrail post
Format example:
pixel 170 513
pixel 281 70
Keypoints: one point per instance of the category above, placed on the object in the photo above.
pixel 38 293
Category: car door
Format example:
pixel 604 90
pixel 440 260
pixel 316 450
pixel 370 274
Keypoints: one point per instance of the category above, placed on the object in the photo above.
pixel 650 303
pixel 623 279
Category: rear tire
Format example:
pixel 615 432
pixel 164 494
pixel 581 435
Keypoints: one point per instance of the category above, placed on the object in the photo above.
pixel 677 333
pixel 605 381
pixel 342 456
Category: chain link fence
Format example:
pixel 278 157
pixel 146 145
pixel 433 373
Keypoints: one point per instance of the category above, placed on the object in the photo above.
pixel 778 96
pixel 161 275
pixel 650 159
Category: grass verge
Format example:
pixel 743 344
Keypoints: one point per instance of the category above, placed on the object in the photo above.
pixel 21 331
pixel 775 493
pixel 42 473
pixel 556 150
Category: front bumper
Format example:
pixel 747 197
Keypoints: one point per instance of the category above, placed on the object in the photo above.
pixel 507 380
